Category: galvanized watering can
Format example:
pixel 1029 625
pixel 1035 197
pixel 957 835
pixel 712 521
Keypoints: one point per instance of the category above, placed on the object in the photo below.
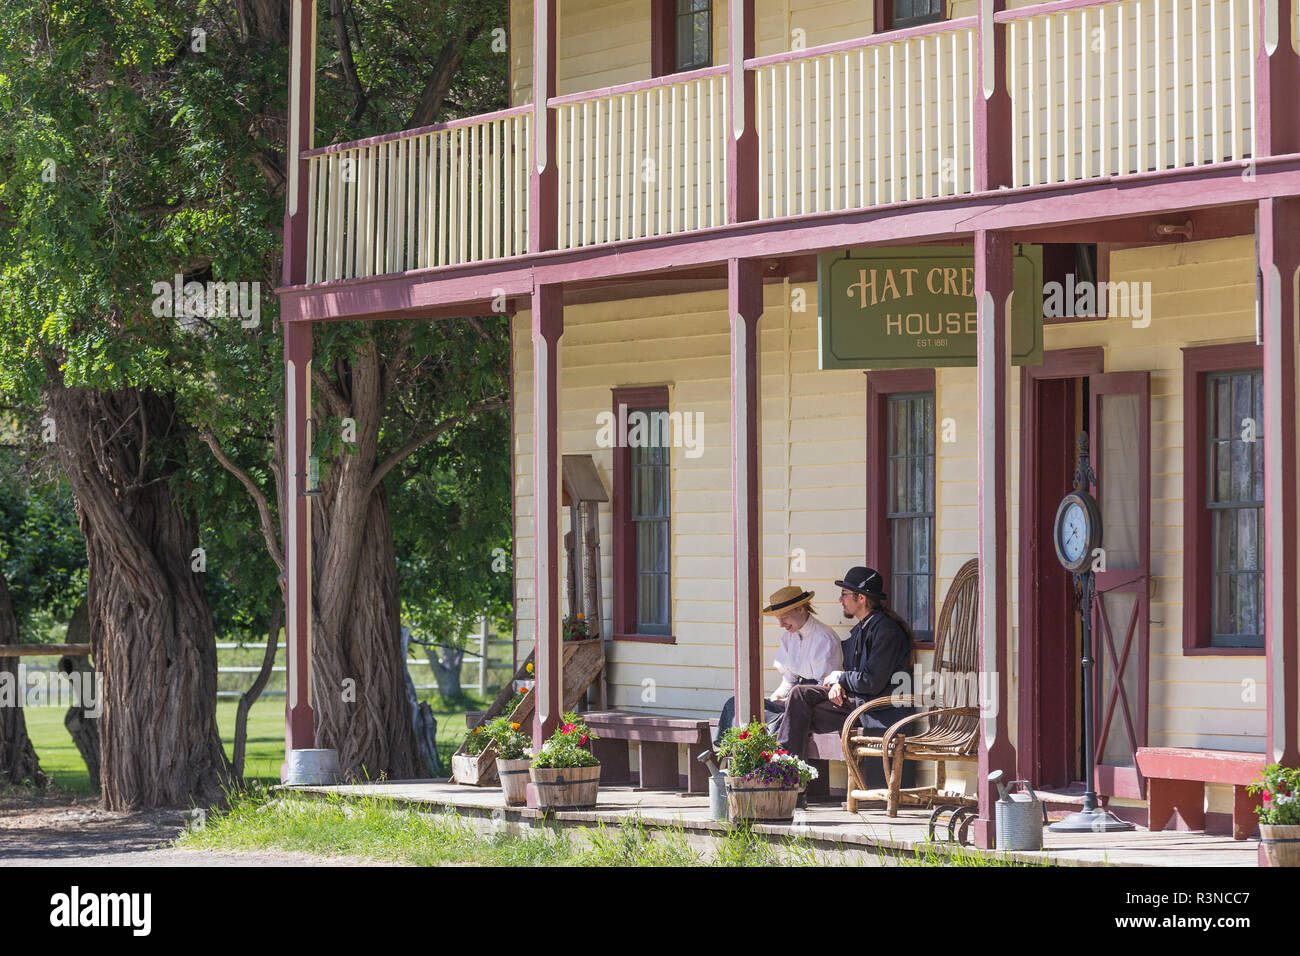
pixel 1019 816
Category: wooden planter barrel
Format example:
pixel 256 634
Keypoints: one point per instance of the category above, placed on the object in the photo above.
pixel 566 788
pixel 758 802
pixel 514 780
pixel 1281 844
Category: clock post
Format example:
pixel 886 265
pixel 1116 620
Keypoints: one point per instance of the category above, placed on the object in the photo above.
pixel 1077 535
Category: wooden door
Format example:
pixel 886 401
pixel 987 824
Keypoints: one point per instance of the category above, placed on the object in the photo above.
pixel 1120 420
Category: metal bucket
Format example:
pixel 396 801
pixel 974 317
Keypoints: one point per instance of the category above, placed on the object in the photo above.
pixel 718 797
pixel 1018 816
pixel 313 768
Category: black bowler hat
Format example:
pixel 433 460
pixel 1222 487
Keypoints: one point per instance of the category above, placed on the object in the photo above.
pixel 864 581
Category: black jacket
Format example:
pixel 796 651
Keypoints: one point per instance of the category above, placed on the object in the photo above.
pixel 878 663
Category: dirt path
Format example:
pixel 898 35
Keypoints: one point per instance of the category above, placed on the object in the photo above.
pixel 67 831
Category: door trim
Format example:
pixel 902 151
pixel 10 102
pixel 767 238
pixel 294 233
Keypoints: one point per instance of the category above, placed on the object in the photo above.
pixel 1057 364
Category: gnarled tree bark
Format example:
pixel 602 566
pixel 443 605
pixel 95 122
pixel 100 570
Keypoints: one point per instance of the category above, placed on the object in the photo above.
pixel 18 761
pixel 151 628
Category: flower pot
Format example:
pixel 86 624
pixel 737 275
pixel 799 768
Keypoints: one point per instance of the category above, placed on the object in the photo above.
pixel 1281 843
pixel 474 770
pixel 759 802
pixel 514 779
pixel 565 788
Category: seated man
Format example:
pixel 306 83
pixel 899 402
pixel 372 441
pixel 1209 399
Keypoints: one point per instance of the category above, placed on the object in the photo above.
pixel 809 651
pixel 877 656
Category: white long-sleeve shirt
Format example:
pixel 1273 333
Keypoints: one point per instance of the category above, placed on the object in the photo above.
pixel 812 652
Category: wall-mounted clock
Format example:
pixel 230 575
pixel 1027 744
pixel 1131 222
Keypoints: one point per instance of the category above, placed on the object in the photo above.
pixel 1077 532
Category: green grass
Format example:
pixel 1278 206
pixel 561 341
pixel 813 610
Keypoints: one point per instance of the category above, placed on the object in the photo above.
pixel 263 756
pixel 375 829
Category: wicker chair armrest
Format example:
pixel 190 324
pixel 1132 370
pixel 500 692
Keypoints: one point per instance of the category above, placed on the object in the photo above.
pixel 850 722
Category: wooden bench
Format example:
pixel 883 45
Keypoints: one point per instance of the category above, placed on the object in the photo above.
pixel 1176 779
pixel 659 736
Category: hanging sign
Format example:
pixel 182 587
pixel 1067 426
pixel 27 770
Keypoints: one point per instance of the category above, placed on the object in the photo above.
pixel 915 307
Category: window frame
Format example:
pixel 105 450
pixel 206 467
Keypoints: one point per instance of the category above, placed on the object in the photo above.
pixel 663 39
pixel 1199 363
pixel 879 551
pixel 884 20
pixel 624 528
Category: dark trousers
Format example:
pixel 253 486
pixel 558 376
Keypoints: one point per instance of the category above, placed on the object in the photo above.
pixel 808 710
pixel 771 709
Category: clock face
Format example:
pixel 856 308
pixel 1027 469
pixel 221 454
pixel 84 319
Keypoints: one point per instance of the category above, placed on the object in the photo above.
pixel 1074 532
pixel 1078 530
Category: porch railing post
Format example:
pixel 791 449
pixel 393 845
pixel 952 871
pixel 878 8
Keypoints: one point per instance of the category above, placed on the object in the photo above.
pixel 993 284
pixel 299 719
pixel 744 307
pixel 547 327
pixel 543 177
pixel 992 121
pixel 1279 264
pixel 742 141
pixel 1277 77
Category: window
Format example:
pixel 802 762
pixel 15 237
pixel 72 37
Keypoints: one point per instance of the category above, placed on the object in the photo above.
pixel 694 34
pixel 642 516
pixel 1224 499
pixel 681 36
pixel 1234 403
pixel 897 14
pixel 900 492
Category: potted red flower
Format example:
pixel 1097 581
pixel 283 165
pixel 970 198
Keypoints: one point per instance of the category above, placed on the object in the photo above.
pixel 565 772
pixel 763 780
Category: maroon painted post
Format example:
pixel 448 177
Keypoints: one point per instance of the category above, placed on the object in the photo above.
pixel 742 144
pixel 543 178
pixel 299 716
pixel 299 723
pixel 992 132
pixel 993 284
pixel 1279 263
pixel 745 306
pixel 1277 77
pixel 548 326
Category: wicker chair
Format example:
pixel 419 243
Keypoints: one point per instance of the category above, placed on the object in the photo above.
pixel 953 733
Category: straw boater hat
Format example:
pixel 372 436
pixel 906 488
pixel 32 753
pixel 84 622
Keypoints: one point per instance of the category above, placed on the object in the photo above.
pixel 787 599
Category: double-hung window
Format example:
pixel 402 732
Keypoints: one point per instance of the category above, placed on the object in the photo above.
pixel 901 492
pixel 681 36
pixel 642 513
pixel 1223 499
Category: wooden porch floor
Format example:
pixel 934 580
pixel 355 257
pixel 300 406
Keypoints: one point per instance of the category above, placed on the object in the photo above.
pixel 861 837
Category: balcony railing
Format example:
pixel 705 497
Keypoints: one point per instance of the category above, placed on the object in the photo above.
pixel 1130 87
pixel 1103 89
pixel 445 194
pixel 872 121
pixel 643 159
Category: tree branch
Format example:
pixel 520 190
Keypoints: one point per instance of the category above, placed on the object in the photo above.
pixel 419 441
pixel 345 55
pixel 334 399
pixel 435 90
pixel 263 509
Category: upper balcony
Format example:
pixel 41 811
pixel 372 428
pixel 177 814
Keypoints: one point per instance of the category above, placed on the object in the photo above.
pixel 1097 90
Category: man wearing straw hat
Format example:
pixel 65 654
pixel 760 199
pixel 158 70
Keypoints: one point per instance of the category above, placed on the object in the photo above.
pixel 809 651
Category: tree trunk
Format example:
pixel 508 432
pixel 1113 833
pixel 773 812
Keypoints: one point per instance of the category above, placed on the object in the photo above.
pixel 358 669
pixel 18 761
pixel 151 629
pixel 424 724
pixel 445 662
